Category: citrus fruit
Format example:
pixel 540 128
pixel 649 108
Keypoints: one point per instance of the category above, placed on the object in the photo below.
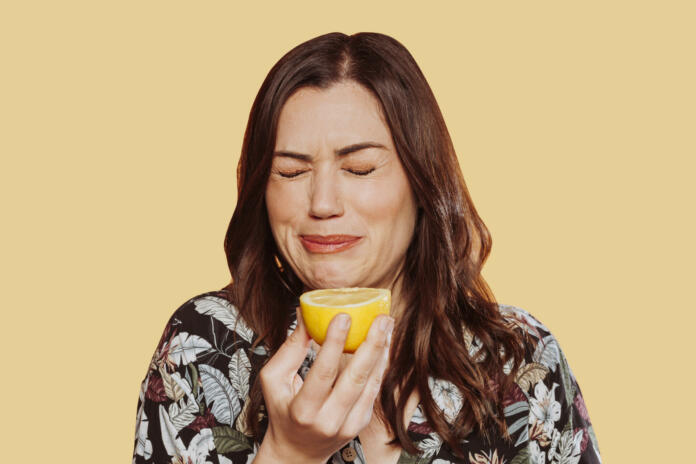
pixel 361 304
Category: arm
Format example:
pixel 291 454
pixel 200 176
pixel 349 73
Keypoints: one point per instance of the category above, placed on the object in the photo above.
pixel 559 424
pixel 193 393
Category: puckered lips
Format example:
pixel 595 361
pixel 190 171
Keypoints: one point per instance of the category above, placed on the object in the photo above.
pixel 329 243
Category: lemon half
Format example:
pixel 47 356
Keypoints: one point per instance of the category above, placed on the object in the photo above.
pixel 361 304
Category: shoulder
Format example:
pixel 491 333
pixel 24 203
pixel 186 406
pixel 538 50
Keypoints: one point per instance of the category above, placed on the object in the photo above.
pixel 542 347
pixel 205 325
pixel 534 333
pixel 207 313
pixel 212 301
pixel 197 385
pixel 522 318
pixel 557 422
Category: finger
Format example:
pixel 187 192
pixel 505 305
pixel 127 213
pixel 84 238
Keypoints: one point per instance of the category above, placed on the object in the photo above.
pixel 283 365
pixel 296 384
pixel 359 416
pixel 321 376
pixel 354 377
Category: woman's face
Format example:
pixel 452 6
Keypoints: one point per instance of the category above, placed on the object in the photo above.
pixel 339 204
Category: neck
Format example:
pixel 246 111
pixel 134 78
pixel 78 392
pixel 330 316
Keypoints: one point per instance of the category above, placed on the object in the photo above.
pixel 397 302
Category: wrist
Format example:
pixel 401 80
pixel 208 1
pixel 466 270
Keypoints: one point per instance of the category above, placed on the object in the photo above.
pixel 268 453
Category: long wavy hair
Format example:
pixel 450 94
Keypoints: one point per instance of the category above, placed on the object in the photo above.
pixel 446 298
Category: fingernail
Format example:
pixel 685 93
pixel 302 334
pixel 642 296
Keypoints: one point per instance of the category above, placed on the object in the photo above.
pixel 343 321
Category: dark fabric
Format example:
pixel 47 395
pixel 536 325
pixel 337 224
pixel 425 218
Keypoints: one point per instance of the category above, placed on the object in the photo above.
pixel 191 407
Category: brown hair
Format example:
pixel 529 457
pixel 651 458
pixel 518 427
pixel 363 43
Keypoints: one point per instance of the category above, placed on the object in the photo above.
pixel 444 292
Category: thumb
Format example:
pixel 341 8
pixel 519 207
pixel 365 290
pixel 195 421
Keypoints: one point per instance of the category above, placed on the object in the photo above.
pixel 300 321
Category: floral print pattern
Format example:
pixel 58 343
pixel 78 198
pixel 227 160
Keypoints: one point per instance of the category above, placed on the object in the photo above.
pixel 192 401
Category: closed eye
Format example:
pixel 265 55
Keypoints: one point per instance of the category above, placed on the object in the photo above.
pixel 291 174
pixel 359 172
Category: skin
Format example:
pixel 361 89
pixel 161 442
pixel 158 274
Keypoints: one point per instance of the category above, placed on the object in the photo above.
pixel 363 195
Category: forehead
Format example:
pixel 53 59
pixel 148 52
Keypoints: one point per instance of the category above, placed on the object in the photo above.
pixel 341 114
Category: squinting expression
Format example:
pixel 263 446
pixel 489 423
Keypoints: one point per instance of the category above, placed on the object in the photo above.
pixel 339 203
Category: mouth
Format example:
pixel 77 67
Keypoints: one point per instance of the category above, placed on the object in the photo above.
pixel 328 243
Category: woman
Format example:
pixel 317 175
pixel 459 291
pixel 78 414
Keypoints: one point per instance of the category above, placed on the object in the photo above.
pixel 348 177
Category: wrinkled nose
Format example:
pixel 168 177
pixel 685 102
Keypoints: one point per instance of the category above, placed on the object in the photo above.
pixel 325 197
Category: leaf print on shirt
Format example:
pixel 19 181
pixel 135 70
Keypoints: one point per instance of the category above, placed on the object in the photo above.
pixel 530 374
pixel 488 458
pixel 548 353
pixel 241 422
pixel 225 312
pixel 565 447
pixel 185 347
pixel 171 385
pixel 183 413
pixel 195 453
pixel 219 394
pixel 203 365
pixel 155 389
pixel 536 455
pixel 430 445
pixel 143 446
pixel 240 369
pixel 228 440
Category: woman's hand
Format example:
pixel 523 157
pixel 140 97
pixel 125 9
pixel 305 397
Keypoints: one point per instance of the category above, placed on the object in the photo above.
pixel 310 421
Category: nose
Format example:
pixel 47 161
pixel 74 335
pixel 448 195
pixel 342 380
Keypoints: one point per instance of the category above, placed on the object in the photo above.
pixel 325 198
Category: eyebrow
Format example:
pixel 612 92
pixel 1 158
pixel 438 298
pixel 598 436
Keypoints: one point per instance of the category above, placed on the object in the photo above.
pixel 340 152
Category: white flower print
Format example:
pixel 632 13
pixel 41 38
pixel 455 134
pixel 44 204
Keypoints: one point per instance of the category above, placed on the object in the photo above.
pixel 201 371
pixel 447 396
pixel 544 408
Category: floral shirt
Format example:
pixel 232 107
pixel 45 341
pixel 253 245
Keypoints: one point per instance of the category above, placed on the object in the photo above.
pixel 192 404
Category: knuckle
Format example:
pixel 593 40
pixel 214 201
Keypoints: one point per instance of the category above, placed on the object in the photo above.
pixel 358 376
pixel 301 417
pixel 375 384
pixel 326 373
pixel 331 429
pixel 381 343
pixel 348 431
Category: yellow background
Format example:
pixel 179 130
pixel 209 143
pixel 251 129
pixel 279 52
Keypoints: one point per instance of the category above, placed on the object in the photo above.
pixel 120 129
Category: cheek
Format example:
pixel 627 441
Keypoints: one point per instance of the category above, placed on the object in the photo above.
pixel 284 205
pixel 389 206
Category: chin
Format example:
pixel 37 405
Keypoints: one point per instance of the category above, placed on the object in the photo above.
pixel 332 277
pixel 332 283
